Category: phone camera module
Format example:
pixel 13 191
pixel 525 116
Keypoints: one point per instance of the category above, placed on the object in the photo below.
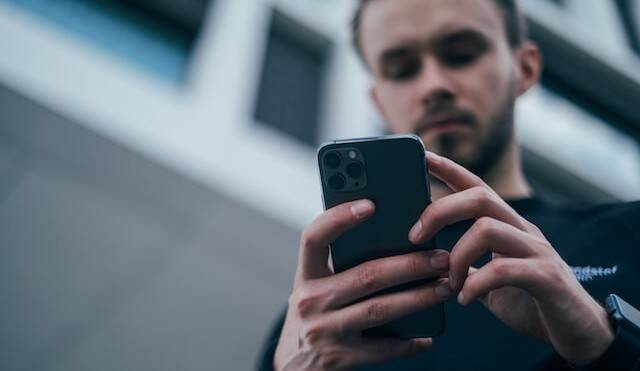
pixel 333 160
pixel 337 182
pixel 355 170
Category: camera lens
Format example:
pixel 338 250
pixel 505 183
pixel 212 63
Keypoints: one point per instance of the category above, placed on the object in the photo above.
pixel 332 160
pixel 337 182
pixel 355 170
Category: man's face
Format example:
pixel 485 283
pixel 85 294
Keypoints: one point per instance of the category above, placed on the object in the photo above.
pixel 444 70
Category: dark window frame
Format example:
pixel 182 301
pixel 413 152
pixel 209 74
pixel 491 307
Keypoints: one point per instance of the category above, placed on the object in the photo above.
pixel 312 44
pixel 587 81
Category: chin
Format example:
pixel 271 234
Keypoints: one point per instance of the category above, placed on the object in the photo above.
pixel 451 145
pixel 462 153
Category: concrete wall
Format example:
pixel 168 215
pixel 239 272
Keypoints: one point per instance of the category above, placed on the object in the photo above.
pixel 111 262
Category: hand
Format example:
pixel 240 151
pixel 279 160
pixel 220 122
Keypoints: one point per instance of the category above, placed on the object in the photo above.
pixel 324 321
pixel 526 285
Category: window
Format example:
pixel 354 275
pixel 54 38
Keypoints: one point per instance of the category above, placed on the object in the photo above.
pixel 155 35
pixel 291 87
pixel 584 144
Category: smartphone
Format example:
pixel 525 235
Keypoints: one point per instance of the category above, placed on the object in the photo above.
pixel 392 172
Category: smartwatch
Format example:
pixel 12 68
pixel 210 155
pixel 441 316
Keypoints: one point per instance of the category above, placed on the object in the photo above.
pixel 624 352
pixel 623 316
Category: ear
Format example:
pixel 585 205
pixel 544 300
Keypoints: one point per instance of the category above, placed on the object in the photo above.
pixel 529 66
pixel 375 99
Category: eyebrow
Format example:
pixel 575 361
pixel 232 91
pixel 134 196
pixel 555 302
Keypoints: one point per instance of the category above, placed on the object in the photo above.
pixel 461 35
pixel 398 51
pixel 464 35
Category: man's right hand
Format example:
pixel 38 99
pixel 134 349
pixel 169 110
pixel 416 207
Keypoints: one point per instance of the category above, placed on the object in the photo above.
pixel 326 314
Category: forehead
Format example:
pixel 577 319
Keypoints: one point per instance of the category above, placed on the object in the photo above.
pixel 388 23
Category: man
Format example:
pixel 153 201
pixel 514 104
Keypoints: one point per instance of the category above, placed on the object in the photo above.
pixel 451 71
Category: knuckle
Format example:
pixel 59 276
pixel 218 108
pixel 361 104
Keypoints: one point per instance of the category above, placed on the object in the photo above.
pixel 421 297
pixel 554 270
pixel 415 264
pixel 433 214
pixel 503 269
pixel 312 333
pixel 367 276
pixel 305 301
pixel 480 196
pixel 470 284
pixel 377 312
pixel 543 248
pixel 532 228
pixel 307 239
pixel 487 227
pixel 331 358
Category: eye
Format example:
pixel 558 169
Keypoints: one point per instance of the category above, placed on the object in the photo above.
pixel 459 59
pixel 462 56
pixel 402 68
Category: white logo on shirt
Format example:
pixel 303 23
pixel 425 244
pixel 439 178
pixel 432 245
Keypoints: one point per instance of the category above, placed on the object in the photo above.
pixel 588 273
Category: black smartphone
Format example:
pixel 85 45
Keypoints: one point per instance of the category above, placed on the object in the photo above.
pixel 392 172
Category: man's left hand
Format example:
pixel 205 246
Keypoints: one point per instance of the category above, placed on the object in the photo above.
pixel 526 285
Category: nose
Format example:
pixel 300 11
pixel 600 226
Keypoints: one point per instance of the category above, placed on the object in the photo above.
pixel 435 83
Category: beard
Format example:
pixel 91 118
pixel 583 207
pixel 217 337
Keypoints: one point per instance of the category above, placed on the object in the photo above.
pixel 477 151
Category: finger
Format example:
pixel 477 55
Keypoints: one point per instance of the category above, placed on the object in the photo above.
pixel 380 350
pixel 487 234
pixel 382 309
pixel 379 274
pixel 482 298
pixel 471 203
pixel 497 274
pixel 314 251
pixel 453 175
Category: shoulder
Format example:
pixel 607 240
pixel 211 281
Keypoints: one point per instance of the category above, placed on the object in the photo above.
pixel 626 214
pixel 572 227
pixel 611 229
pixel 567 217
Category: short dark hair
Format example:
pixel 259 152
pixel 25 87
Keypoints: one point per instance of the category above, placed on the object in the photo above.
pixel 515 24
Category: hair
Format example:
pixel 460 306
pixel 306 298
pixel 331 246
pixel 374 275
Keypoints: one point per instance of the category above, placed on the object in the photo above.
pixel 515 25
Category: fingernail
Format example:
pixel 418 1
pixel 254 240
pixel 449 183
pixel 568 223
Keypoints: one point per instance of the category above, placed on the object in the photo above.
pixel 361 208
pixel 433 157
pixel 443 290
pixel 452 281
pixel 461 298
pixel 423 342
pixel 414 233
pixel 440 260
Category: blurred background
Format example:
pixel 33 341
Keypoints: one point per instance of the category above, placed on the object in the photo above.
pixel 157 162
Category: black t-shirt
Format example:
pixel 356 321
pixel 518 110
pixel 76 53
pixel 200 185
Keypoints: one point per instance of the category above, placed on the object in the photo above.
pixel 601 244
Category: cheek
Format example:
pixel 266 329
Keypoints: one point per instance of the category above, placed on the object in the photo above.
pixel 397 106
pixel 486 86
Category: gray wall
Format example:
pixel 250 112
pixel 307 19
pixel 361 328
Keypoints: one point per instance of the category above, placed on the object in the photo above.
pixel 110 262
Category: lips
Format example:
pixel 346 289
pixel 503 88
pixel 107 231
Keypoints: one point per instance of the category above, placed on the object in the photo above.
pixel 442 119
pixel 444 124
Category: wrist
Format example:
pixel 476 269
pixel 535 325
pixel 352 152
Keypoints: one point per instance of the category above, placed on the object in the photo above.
pixel 600 337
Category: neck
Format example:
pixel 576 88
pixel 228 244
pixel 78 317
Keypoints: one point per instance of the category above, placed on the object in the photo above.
pixel 506 178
